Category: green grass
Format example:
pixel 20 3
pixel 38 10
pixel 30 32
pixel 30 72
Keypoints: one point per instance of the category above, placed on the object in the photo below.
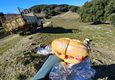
pixel 102 34
pixel 9 44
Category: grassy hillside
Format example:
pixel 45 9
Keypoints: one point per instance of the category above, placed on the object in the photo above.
pixel 8 43
pixel 103 45
pixel 23 61
pixel 3 33
pixel 101 34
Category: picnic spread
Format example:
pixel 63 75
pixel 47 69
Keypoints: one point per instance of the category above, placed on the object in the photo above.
pixel 72 60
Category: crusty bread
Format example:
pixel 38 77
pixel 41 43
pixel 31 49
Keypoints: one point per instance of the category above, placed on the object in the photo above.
pixel 70 50
pixel 76 49
pixel 59 47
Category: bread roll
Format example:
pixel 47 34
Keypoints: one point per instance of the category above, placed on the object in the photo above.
pixel 70 50
pixel 59 47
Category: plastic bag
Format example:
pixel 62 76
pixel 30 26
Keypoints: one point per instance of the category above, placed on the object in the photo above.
pixel 44 50
pixel 81 71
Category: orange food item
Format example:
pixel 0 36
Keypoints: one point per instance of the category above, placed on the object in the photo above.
pixel 70 50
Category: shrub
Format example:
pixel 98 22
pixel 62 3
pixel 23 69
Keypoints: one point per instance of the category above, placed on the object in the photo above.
pixel 112 19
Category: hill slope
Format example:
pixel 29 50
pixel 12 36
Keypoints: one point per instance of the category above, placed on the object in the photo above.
pixel 22 62
pixel 68 15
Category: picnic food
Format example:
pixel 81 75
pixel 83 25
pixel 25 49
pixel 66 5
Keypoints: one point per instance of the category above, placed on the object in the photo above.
pixel 70 50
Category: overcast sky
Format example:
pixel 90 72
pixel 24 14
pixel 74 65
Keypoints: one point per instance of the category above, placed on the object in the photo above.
pixel 9 6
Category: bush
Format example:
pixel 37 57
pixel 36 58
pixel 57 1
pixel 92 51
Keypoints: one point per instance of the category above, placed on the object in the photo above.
pixel 53 10
pixel 112 19
pixel 97 11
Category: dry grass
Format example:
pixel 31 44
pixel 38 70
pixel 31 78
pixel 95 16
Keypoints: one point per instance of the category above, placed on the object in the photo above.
pixel 4 46
pixel 68 15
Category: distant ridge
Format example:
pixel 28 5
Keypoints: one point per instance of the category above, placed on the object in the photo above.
pixel 54 9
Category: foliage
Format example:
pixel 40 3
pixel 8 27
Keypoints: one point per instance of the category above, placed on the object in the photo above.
pixel 97 11
pixel 112 18
pixel 110 9
pixel 85 12
pixel 54 9
pixel 74 9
